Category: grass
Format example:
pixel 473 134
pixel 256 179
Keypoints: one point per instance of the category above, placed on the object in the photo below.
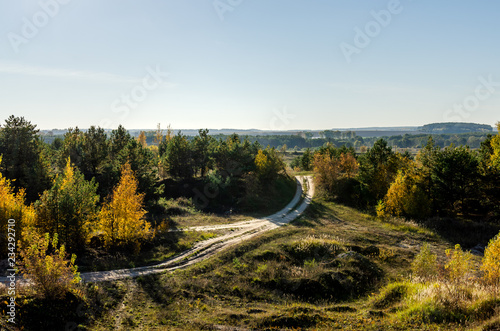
pixel 164 246
pixel 177 214
pixel 333 268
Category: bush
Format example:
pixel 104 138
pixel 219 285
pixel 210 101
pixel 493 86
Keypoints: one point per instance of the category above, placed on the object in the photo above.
pixel 491 261
pixel 47 266
pixel 424 265
pixel 459 264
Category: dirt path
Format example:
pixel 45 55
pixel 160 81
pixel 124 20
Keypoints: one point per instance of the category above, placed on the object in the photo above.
pixel 237 232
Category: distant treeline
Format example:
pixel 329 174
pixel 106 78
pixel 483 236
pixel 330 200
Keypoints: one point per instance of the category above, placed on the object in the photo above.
pixel 348 139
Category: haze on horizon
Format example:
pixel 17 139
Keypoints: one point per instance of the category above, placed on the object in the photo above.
pixel 242 64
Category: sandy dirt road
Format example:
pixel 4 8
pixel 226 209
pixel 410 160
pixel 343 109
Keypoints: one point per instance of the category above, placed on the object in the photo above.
pixel 236 233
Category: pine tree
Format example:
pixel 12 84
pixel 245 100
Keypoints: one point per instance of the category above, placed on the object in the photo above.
pixel 122 218
pixel 22 163
pixel 69 208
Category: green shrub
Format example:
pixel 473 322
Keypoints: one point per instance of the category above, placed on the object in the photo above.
pixel 424 265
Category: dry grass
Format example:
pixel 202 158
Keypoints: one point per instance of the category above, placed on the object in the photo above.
pixel 286 279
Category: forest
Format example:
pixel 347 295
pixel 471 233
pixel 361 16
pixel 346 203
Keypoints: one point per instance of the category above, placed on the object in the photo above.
pixel 96 195
pixel 77 185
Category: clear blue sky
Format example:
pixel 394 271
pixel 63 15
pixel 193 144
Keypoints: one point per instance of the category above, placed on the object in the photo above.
pixel 277 64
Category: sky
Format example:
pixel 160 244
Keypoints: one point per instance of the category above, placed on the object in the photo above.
pixel 279 65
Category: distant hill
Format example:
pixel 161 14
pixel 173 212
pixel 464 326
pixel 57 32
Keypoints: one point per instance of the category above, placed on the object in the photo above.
pixel 433 128
pixel 455 127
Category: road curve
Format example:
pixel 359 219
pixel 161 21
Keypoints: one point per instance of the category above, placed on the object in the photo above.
pixel 208 248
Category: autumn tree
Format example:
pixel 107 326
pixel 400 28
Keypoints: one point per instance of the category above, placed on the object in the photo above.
pixel 491 261
pixel 335 171
pixel 12 206
pixel 170 133
pixel 142 139
pixel 69 208
pixel 495 144
pixel 327 169
pixel 269 164
pixel 406 196
pixel 158 135
pixel 122 218
pixel 490 175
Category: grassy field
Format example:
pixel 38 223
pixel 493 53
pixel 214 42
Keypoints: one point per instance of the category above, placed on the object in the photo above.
pixel 180 214
pixel 333 268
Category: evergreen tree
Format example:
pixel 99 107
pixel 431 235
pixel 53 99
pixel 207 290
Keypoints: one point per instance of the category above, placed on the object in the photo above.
pixel 69 208
pixel 21 147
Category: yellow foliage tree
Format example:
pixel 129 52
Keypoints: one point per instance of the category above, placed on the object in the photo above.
pixel 12 206
pixel 495 143
pixel 269 164
pixel 330 169
pixel 158 135
pixel 47 266
pixel 122 218
pixel 142 139
pixel 170 133
pixel 406 196
pixel 327 171
pixel 491 261
pixel 348 165
pixel 459 264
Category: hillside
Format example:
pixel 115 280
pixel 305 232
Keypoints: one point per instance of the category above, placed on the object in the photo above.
pixel 328 270
pixel 455 127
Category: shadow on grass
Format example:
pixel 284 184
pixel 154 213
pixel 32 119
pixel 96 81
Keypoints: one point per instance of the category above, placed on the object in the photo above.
pixel 151 252
pixel 158 291
pixel 464 232
pixel 313 216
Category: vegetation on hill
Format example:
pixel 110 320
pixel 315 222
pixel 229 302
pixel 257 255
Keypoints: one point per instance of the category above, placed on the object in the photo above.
pixel 383 245
pixel 108 195
pixel 456 127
